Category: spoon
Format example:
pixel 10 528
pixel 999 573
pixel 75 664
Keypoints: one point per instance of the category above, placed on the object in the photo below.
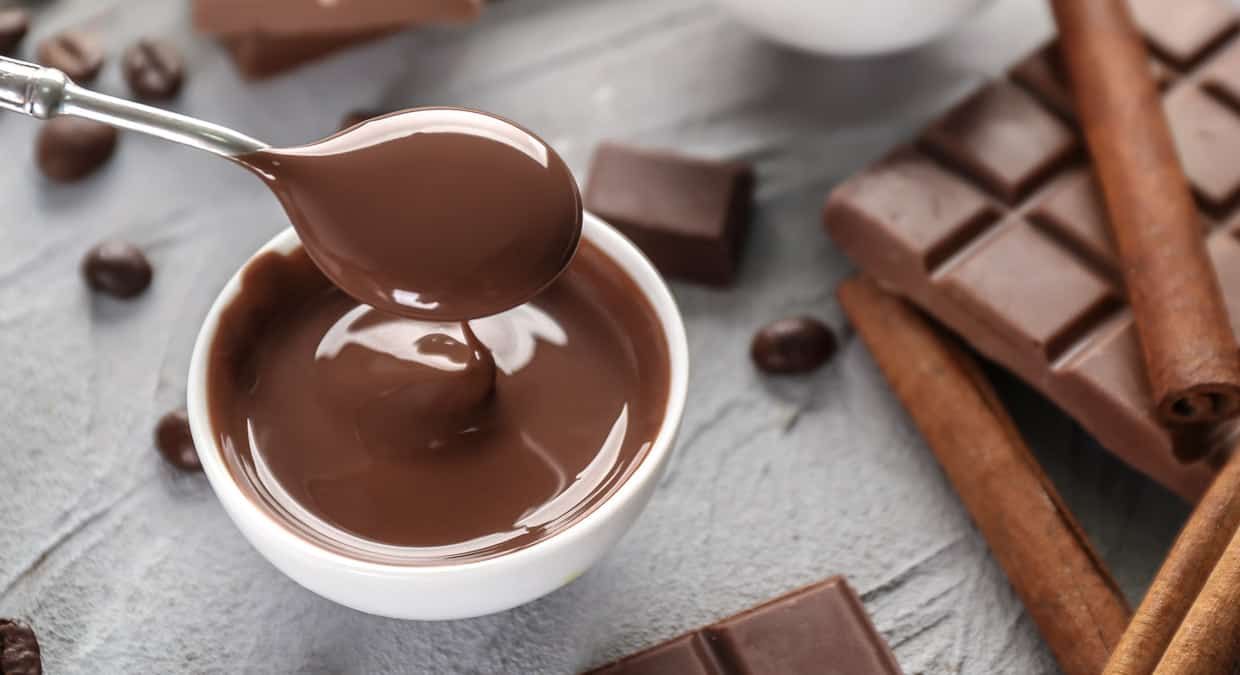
pixel 441 214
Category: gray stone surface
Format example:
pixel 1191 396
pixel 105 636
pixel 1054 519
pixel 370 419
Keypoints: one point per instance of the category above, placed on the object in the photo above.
pixel 126 567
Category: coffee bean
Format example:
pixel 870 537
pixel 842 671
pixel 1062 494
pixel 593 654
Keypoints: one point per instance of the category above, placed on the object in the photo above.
pixel 75 53
pixel 175 443
pixel 117 268
pixel 19 649
pixel 795 345
pixel 355 117
pixel 14 23
pixel 71 148
pixel 154 69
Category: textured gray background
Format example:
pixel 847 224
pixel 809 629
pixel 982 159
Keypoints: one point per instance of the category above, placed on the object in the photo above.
pixel 126 567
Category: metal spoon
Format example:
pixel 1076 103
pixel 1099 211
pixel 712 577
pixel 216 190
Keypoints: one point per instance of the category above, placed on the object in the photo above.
pixel 45 93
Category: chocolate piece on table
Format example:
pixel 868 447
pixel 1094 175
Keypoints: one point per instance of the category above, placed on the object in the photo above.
pixel 795 345
pixel 154 69
pixel 316 17
pixel 1014 256
pixel 175 442
pixel 117 268
pixel 690 216
pixel 822 628
pixel 71 148
pixel 266 38
pixel 14 24
pixel 75 53
pixel 19 649
pixel 259 55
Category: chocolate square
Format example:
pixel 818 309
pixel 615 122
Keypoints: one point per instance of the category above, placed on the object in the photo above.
pixel 690 216
pixel 1207 134
pixel 1183 30
pixel 1029 288
pixel 1002 138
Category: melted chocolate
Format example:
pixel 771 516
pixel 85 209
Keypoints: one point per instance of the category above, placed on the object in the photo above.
pixel 367 431
pixel 438 214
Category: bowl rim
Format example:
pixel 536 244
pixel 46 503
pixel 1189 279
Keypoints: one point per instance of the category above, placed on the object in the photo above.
pixel 611 243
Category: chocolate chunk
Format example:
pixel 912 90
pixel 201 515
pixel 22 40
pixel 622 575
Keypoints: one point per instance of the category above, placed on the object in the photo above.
pixel 259 55
pixel 822 628
pixel 75 53
pixel 795 345
pixel 19 649
pixel 690 216
pixel 154 69
pixel 1030 277
pixel 14 24
pixel 175 441
pixel 72 148
pixel 117 268
pixel 267 38
pixel 355 117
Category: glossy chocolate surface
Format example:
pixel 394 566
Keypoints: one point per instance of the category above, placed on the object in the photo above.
pixel 413 442
pixel 432 213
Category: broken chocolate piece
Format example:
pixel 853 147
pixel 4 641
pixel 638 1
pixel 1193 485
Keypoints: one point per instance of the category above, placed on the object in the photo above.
pixel 821 628
pixel 19 649
pixel 996 229
pixel 690 216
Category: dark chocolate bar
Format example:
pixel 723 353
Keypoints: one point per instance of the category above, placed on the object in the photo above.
pixel 993 223
pixel 690 216
pixel 821 628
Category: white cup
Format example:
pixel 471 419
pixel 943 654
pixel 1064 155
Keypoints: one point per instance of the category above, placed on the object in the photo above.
pixel 851 27
pixel 450 590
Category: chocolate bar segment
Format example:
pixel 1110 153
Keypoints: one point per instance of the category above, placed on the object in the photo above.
pixel 1035 285
pixel 690 216
pixel 1182 31
pixel 324 17
pixel 821 628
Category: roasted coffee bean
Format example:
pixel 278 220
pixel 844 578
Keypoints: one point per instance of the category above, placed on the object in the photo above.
pixel 14 23
pixel 117 268
pixel 154 69
pixel 75 53
pixel 175 443
pixel 795 345
pixel 71 148
pixel 355 117
pixel 19 649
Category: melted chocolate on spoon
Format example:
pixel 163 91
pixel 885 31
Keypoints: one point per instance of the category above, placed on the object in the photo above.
pixel 440 214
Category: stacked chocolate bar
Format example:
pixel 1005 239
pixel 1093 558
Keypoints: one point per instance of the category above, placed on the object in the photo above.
pixel 992 221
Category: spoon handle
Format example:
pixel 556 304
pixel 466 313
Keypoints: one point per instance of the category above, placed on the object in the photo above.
pixel 45 93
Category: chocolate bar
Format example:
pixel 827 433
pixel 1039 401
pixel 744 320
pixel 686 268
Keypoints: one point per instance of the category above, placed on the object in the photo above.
pixel 993 223
pixel 822 628
pixel 266 38
pixel 690 216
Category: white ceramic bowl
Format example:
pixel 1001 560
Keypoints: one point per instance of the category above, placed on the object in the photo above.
pixel 451 590
pixel 851 27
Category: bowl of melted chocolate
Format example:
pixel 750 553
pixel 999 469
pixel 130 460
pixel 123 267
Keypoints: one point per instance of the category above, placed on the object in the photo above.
pixel 427 469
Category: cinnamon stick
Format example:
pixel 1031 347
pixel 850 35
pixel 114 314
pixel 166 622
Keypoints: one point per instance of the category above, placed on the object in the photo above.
pixel 1196 551
pixel 1208 641
pixel 1064 585
pixel 1191 355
